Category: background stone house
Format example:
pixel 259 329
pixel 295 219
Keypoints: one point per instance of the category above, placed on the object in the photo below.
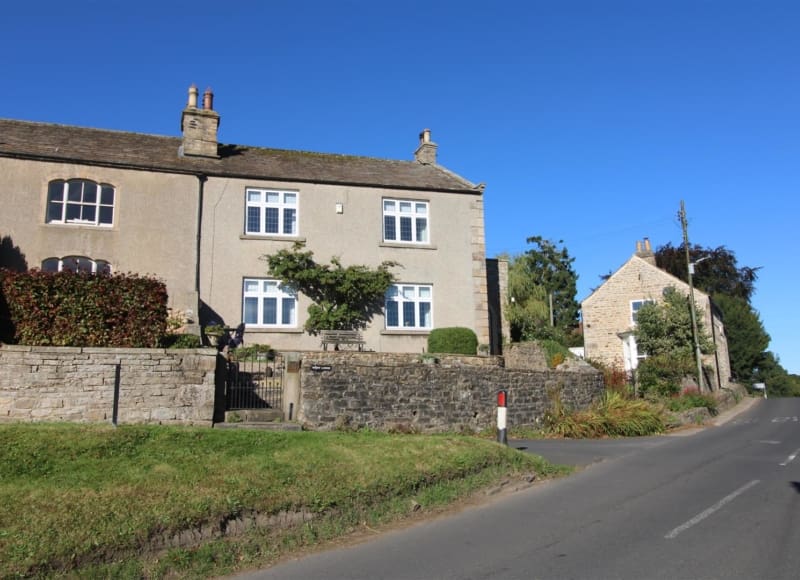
pixel 200 214
pixel 609 315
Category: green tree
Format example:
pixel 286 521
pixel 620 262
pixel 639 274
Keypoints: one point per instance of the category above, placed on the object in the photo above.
pixel 666 327
pixel 779 382
pixel 527 308
pixel 344 297
pixel 664 332
pixel 718 273
pixel 543 272
pixel 747 339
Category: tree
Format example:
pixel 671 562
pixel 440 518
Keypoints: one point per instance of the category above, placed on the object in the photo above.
pixel 664 332
pixel 527 307
pixel 717 274
pixel 344 298
pixel 543 273
pixel 665 328
pixel 779 382
pixel 747 339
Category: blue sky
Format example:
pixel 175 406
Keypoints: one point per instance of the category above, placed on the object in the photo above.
pixel 589 121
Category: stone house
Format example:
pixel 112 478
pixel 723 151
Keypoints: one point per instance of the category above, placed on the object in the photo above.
pixel 199 214
pixel 609 315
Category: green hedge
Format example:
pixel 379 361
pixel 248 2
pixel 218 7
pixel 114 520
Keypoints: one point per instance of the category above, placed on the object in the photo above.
pixel 453 340
pixel 82 309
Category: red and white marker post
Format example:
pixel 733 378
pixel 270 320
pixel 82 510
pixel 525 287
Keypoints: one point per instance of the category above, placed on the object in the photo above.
pixel 502 434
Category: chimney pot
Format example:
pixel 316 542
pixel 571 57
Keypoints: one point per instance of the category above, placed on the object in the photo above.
pixel 192 102
pixel 208 100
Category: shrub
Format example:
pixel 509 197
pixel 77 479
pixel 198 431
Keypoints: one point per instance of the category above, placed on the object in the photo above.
pixel 181 341
pixel 612 416
pixel 83 309
pixel 661 375
pixel 692 399
pixel 615 377
pixel 453 340
pixel 555 352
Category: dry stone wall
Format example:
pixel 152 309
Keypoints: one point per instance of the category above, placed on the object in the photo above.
pixel 78 384
pixel 404 392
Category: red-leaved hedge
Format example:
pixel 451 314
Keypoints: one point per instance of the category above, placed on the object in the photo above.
pixel 82 309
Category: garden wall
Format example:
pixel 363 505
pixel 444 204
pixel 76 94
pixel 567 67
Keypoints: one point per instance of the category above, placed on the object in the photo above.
pixel 78 384
pixel 405 393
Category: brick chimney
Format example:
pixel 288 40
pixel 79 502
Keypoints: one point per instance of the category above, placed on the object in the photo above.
pixel 199 126
pixel 426 152
pixel 645 251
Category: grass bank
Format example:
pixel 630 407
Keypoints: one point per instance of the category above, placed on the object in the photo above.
pixel 154 502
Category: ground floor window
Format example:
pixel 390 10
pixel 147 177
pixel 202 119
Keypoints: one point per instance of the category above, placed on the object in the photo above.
pixel 409 306
pixel 76 264
pixel 268 303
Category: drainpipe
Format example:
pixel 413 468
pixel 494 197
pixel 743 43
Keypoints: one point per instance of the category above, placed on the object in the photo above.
pixel 201 180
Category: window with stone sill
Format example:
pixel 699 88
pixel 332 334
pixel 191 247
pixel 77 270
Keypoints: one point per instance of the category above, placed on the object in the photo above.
pixel 406 221
pixel 270 212
pixel 409 307
pixel 80 202
pixel 268 304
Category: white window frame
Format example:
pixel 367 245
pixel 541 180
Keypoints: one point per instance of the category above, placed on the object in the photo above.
pixel 635 309
pixel 255 294
pixel 418 225
pixel 67 196
pixel 411 305
pixel 76 264
pixel 286 203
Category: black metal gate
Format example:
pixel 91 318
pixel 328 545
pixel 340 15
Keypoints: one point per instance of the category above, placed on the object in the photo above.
pixel 254 382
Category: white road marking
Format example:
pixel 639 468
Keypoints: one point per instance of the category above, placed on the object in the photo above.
pixel 791 458
pixel 716 507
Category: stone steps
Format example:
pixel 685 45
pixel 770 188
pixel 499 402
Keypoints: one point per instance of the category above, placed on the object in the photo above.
pixel 263 419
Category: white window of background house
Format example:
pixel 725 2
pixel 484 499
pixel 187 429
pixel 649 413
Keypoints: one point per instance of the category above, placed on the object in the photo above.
pixel 405 221
pixel 76 264
pixel 409 306
pixel 635 306
pixel 268 303
pixel 270 212
pixel 80 202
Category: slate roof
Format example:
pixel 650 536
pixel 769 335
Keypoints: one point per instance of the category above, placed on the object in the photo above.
pixel 66 143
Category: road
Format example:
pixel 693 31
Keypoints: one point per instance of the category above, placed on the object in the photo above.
pixel 723 502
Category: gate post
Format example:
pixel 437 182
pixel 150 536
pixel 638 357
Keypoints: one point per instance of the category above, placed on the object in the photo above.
pixel 291 386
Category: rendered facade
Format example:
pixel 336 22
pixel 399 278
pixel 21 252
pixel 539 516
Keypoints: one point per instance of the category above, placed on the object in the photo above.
pixel 200 214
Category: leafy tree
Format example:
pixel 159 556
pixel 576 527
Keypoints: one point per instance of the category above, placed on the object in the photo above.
pixel 344 298
pixel 717 274
pixel 747 339
pixel 527 308
pixel 543 271
pixel 666 327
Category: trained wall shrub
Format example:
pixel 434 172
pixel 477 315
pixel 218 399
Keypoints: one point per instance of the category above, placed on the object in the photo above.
pixel 82 309
pixel 453 340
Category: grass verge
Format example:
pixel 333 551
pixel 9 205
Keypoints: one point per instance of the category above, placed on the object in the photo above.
pixel 156 502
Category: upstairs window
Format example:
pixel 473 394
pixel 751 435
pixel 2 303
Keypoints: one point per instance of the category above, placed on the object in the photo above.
pixel 80 202
pixel 268 303
pixel 635 306
pixel 405 221
pixel 270 212
pixel 76 264
pixel 409 306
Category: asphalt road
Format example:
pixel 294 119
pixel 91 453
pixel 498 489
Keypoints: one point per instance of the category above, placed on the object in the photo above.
pixel 723 502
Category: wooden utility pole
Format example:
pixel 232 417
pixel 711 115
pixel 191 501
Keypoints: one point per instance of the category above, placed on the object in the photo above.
pixel 690 270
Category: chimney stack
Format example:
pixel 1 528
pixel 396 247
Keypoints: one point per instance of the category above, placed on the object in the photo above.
pixel 199 126
pixel 645 251
pixel 426 152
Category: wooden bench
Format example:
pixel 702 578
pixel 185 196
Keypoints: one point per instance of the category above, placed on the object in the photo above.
pixel 337 337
